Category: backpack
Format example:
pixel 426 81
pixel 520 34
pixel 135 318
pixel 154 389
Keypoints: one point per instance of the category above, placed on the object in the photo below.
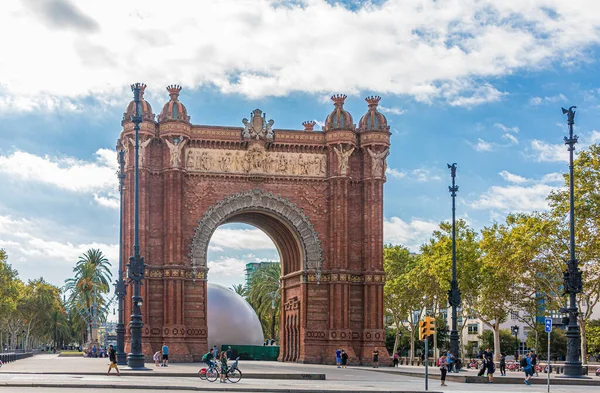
pixel 523 362
pixel 438 362
pixel 205 357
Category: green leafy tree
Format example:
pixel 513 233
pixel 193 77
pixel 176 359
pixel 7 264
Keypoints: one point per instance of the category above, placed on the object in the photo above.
pixel 240 289
pixel 264 295
pixel 8 286
pixel 403 300
pixel 558 342
pixel 587 229
pixel 593 336
pixel 507 341
pixel 91 280
pixel 433 273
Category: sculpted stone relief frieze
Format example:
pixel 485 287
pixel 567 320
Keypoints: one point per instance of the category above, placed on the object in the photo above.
pixel 255 160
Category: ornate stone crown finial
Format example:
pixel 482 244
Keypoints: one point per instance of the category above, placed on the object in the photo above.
pixel 338 99
pixel 139 85
pixel 309 125
pixel 173 91
pixel 373 101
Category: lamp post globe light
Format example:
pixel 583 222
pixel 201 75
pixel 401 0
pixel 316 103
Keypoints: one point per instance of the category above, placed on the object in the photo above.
pixel 572 277
pixel 120 289
pixel 454 292
pixel 135 268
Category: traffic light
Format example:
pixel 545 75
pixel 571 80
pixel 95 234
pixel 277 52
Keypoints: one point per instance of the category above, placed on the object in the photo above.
pixel 426 328
pixel 429 326
pixel 422 330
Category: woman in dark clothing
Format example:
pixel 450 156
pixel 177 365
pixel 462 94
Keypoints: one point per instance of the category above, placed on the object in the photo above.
pixel 502 364
pixel 344 358
pixel 491 367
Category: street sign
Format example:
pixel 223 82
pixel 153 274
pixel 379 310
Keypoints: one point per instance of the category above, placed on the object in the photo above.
pixel 548 325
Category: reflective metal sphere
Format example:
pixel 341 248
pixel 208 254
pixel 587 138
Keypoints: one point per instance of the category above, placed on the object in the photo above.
pixel 231 320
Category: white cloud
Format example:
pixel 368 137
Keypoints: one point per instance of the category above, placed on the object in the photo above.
pixel 97 178
pixel 394 173
pixel 319 123
pixel 37 248
pixel 535 100
pixel 482 145
pixel 553 178
pixel 247 239
pixel 423 175
pixel 409 234
pixel 549 152
pixel 426 49
pixel 525 195
pixel 511 138
pixel 480 95
pixel 514 198
pixel 512 178
pixel 552 99
pixel 507 129
pixel 393 111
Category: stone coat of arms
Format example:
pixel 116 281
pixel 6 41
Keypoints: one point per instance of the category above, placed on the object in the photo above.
pixel 258 127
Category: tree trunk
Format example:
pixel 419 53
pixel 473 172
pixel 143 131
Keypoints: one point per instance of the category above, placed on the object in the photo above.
pixel 496 340
pixel 583 340
pixel 412 345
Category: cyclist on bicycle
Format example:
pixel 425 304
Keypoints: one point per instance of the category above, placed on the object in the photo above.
pixel 208 358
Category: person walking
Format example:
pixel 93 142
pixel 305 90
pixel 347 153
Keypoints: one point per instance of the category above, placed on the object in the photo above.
pixel 229 353
pixel 223 367
pixel 396 359
pixel 112 356
pixel 443 363
pixel 215 351
pixel 534 361
pixel 491 368
pixel 338 358
pixel 165 355
pixel 526 364
pixel 344 359
pixel 375 358
pixel 502 364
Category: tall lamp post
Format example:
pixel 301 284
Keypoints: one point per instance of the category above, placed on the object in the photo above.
pixel 120 290
pixel 454 292
pixel 135 268
pixel 572 277
pixel 515 330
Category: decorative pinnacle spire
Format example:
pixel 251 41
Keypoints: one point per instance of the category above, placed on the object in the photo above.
pixel 309 125
pixel 174 91
pixel 338 99
pixel 373 101
pixel 139 85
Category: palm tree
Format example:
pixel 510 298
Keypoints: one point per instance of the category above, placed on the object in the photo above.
pixel 240 289
pixel 91 279
pixel 264 295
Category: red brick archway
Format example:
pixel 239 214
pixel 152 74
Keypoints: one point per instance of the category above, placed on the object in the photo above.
pixel 318 195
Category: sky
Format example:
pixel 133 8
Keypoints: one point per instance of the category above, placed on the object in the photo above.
pixel 476 82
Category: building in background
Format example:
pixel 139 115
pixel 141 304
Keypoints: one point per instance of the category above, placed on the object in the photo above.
pixel 253 266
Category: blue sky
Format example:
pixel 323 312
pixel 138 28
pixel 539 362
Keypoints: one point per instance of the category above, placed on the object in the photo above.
pixel 479 83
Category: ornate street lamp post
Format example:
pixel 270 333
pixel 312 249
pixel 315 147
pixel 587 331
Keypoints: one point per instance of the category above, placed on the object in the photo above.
pixel 572 277
pixel 454 292
pixel 135 268
pixel 120 290
pixel 515 330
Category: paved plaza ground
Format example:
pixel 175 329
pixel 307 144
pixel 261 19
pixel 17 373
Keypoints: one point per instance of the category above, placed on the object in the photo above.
pixel 50 373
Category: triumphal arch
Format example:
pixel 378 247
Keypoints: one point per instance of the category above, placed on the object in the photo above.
pixel 317 194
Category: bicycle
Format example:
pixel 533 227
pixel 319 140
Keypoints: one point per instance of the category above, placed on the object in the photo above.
pixel 233 373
